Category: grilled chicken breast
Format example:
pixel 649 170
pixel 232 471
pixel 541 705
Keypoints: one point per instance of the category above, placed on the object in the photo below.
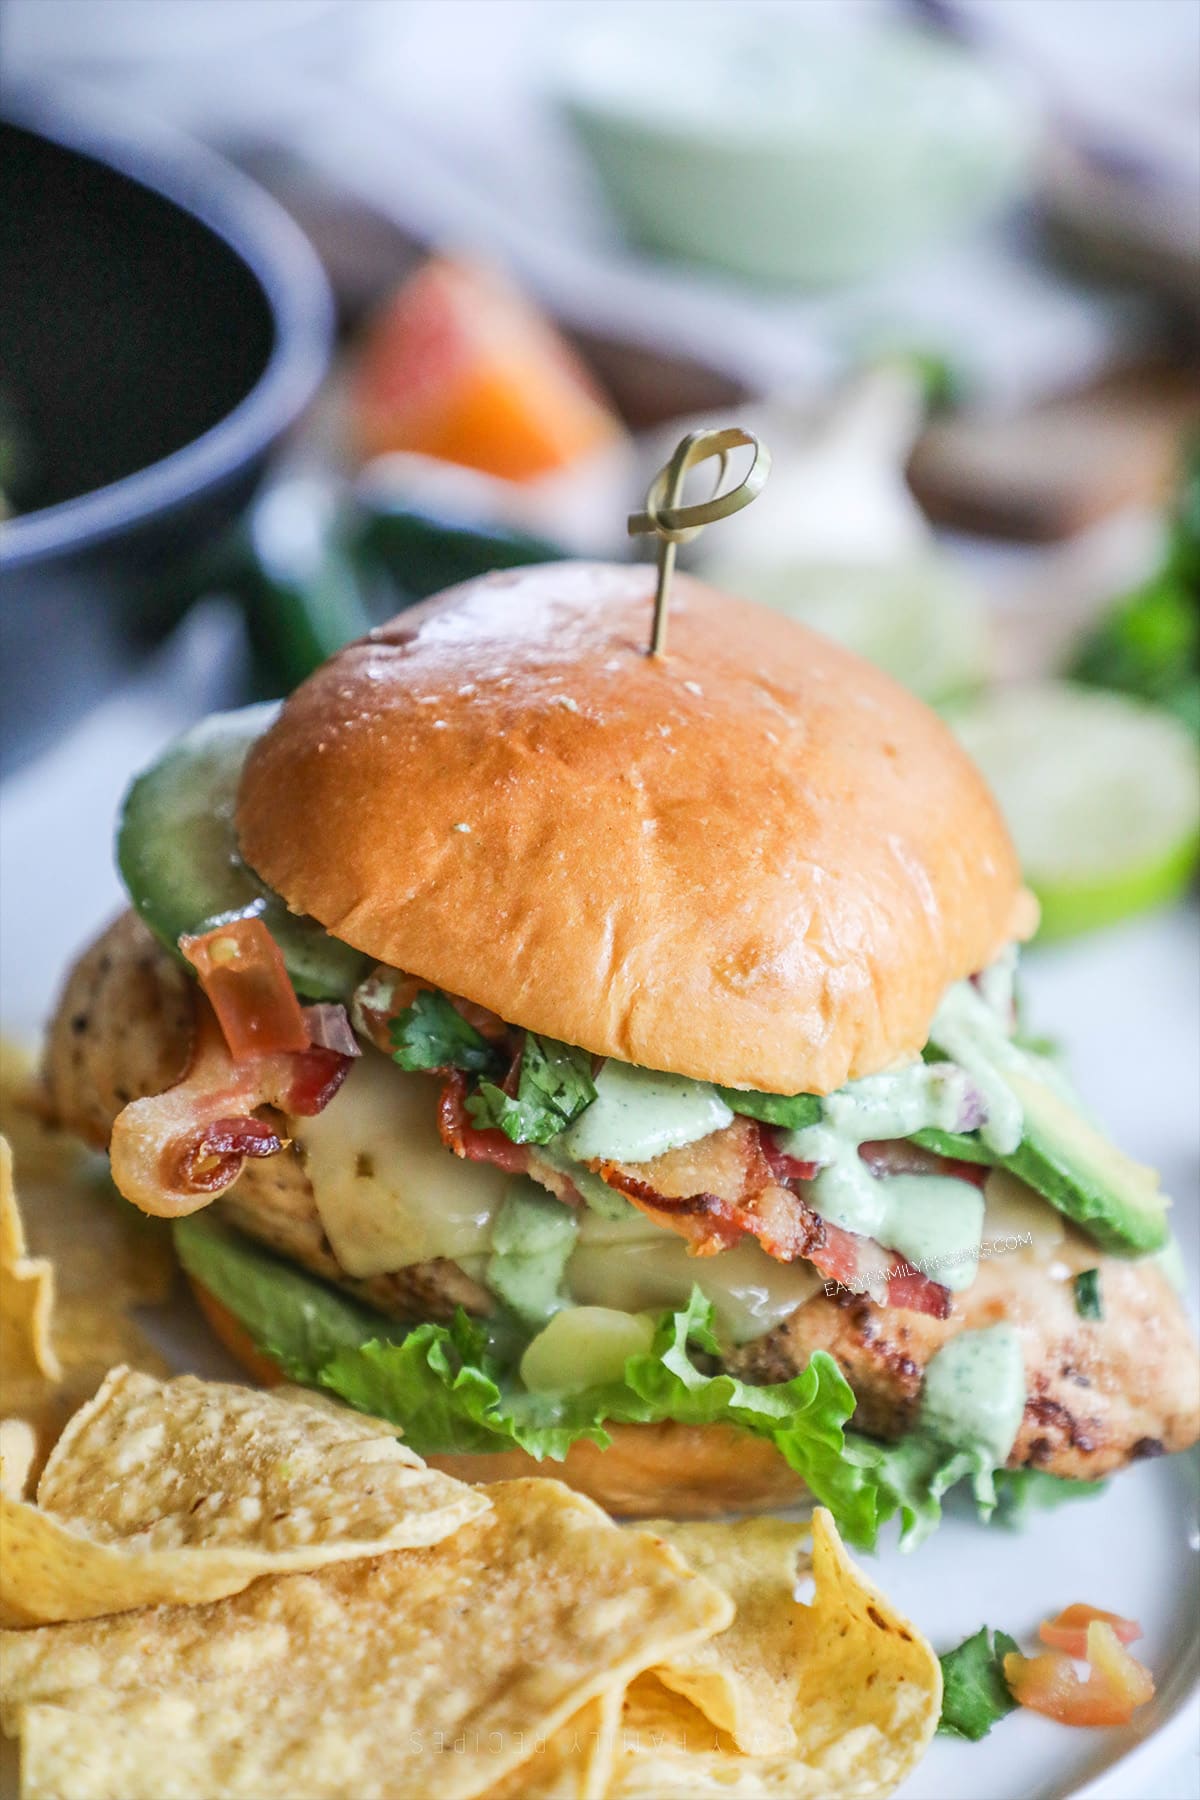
pixel 1100 1394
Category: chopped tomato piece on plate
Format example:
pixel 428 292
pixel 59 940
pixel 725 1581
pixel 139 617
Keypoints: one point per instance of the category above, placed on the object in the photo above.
pixel 1116 1685
pixel 1069 1631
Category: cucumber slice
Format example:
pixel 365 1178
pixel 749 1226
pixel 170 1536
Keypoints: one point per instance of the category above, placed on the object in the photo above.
pixel 1101 794
pixel 178 855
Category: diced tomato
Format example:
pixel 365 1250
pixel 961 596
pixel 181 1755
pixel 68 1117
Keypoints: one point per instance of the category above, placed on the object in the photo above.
pixel 1051 1685
pixel 466 1139
pixel 1110 1661
pixel 241 970
pixel 1069 1631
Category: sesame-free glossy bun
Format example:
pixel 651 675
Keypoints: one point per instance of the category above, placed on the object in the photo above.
pixel 753 860
pixel 693 1471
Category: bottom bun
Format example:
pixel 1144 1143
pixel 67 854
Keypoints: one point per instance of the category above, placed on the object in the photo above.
pixel 686 1471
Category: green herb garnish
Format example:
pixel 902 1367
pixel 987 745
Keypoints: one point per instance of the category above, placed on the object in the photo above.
pixel 975 1693
pixel 554 1086
pixel 432 1034
pixel 1088 1301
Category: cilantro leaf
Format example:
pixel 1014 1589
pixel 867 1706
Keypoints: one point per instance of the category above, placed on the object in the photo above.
pixel 1089 1303
pixel 554 1086
pixel 974 1691
pixel 792 1111
pixel 432 1034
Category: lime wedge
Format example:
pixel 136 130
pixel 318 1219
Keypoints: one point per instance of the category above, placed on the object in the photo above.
pixel 1101 794
pixel 916 618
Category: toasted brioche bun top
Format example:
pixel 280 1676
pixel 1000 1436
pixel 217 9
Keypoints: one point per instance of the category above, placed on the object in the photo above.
pixel 753 860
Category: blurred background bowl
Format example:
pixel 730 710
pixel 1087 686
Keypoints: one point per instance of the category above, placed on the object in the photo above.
pixel 164 322
pixel 792 154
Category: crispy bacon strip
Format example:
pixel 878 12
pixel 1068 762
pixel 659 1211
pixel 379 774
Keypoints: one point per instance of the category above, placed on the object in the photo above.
pixel 782 1166
pixel 209 1162
pixel 174 1152
pixel 466 1139
pixel 749 1192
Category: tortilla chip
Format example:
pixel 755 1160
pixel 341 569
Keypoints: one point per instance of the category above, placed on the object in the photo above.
pixel 420 1672
pixel 102 1248
pixel 18 1452
pixel 38 1148
pixel 867 1693
pixel 56 1342
pixel 573 1763
pixel 187 1490
pixel 744 1680
pixel 26 1293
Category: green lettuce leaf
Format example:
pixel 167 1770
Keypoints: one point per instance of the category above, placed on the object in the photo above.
pixel 792 1111
pixel 450 1395
pixel 1022 1491
pixel 911 1477
pixel 974 1691
pixel 554 1087
pixel 297 1320
pixel 432 1034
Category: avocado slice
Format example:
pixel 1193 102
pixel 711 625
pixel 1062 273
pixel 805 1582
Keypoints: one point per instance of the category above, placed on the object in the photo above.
pixel 1065 1159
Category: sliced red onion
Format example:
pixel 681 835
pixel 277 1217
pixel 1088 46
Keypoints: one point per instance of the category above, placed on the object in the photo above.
pixel 972 1107
pixel 330 1028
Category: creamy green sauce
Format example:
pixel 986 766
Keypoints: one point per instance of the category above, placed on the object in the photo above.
pixel 935 1221
pixel 602 1200
pixel 973 1034
pixel 533 1235
pixel 972 1026
pixel 974 1392
pixel 639 1114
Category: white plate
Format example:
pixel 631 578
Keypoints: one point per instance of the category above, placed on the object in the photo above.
pixel 1126 1003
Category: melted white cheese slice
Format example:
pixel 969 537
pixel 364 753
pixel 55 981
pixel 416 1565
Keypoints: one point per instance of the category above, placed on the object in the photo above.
pixel 388 1191
pixel 1016 1221
pixel 749 1290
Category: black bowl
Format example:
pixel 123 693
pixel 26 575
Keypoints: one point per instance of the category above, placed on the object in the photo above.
pixel 163 322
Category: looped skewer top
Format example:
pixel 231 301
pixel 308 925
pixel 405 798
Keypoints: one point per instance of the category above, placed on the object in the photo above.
pixel 674 524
